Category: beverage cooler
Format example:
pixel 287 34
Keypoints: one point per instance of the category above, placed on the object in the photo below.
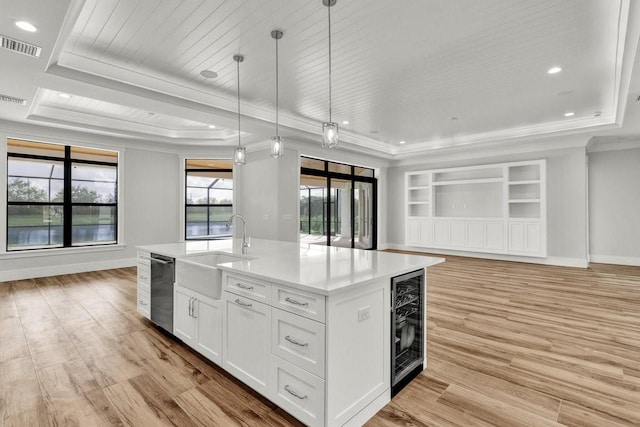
pixel 407 328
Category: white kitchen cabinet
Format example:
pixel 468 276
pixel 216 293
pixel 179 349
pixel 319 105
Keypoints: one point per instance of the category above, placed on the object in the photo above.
pixel 299 340
pixel 144 284
pixel 297 391
pixel 247 340
pixel 197 321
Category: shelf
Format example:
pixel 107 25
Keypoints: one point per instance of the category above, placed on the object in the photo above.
pixel 467 181
pixel 468 174
pixel 524 182
pixel 419 187
pixel 418 203
pixel 524 201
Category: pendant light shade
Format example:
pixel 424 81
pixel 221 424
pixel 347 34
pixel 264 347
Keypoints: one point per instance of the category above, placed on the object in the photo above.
pixel 330 131
pixel 277 144
pixel 240 154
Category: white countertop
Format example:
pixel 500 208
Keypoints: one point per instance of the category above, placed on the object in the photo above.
pixel 317 268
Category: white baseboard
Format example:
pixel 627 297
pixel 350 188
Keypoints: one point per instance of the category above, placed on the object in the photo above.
pixel 620 260
pixel 559 261
pixel 55 270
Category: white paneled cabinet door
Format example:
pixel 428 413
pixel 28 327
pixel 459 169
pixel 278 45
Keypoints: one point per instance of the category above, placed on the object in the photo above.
pixel 208 319
pixel 247 340
pixel 494 236
pixel 458 234
pixel 442 233
pixel 418 232
pixel 184 326
pixel 525 238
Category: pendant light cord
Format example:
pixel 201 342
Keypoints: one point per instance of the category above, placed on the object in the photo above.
pixel 277 89
pixel 329 14
pixel 238 67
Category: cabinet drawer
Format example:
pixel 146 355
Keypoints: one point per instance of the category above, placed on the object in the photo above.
pixel 297 391
pixel 248 287
pixel 305 304
pixel 144 303
pixel 144 277
pixel 298 340
pixel 144 258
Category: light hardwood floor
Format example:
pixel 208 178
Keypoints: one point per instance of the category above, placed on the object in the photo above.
pixel 510 344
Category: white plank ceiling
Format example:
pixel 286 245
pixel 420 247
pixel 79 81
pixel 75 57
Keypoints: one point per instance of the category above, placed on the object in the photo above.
pixel 432 73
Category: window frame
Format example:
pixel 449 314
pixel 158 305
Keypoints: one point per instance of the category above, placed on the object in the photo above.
pixel 208 205
pixel 67 204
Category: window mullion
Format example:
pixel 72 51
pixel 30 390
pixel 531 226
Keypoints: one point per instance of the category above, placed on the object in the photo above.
pixel 66 212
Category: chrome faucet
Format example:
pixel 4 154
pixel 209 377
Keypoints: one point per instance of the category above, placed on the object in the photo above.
pixel 245 245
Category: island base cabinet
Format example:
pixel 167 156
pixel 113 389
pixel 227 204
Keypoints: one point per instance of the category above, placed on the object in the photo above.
pixel 247 340
pixel 297 391
pixel 358 352
pixel 197 321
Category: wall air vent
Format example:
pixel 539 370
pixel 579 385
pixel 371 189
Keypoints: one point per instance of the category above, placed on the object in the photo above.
pixel 13 99
pixel 20 47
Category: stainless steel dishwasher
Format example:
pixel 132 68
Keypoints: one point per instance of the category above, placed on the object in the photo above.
pixel 162 278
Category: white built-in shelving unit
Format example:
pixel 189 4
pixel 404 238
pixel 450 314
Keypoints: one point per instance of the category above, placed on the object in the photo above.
pixel 498 208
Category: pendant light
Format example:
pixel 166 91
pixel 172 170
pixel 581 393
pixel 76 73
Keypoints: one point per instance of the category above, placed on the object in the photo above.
pixel 277 144
pixel 240 155
pixel 329 129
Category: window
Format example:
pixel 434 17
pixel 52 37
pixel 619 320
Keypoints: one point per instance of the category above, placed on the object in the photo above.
pixel 60 196
pixel 208 198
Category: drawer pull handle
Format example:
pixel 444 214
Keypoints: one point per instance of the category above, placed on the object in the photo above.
pixel 292 301
pixel 244 304
pixel 294 393
pixel 295 341
pixel 241 286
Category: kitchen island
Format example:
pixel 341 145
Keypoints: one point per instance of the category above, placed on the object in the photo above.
pixel 307 326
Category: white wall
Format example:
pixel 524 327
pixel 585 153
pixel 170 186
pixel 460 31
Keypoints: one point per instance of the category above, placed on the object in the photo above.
pixel 614 209
pixel 566 197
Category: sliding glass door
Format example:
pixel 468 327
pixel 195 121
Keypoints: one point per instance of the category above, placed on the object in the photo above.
pixel 337 204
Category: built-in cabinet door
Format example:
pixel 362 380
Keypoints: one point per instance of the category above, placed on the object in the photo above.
pixel 247 340
pixel 458 234
pixel 442 233
pixel 418 232
pixel 524 237
pixel 208 318
pixel 184 326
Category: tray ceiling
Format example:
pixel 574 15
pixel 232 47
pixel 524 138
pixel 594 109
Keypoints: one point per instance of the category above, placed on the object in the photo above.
pixel 432 73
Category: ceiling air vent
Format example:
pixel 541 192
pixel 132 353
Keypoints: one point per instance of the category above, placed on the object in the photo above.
pixel 12 99
pixel 20 47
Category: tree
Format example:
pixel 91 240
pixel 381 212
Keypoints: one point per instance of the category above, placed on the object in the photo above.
pixel 19 190
pixel 84 195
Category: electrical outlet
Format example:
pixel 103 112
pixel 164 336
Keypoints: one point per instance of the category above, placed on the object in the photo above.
pixel 364 313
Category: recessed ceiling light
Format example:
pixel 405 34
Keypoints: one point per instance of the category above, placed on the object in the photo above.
pixel 64 95
pixel 208 74
pixel 554 70
pixel 345 122
pixel 454 118
pixel 569 114
pixel 26 26
pixel 402 142
pixel 212 126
